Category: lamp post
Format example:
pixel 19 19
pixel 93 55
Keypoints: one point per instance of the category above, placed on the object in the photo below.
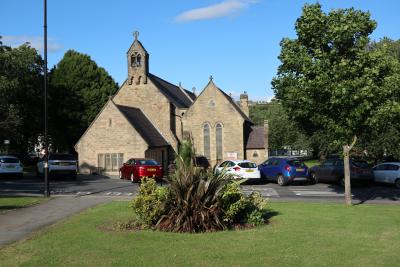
pixel 7 144
pixel 46 145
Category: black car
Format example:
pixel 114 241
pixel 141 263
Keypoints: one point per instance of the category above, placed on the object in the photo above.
pixel 332 171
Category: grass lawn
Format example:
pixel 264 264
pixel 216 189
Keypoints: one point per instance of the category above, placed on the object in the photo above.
pixel 301 234
pixel 8 203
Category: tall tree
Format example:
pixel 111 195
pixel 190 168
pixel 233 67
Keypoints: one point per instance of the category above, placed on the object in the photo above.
pixel 78 88
pixel 21 80
pixel 329 82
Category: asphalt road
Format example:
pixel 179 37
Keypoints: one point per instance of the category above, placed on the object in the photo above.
pixel 98 185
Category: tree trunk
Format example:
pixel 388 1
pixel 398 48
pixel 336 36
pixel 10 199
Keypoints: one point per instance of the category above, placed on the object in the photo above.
pixel 347 184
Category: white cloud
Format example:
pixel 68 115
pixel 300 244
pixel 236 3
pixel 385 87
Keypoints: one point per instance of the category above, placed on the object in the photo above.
pixel 225 8
pixel 34 41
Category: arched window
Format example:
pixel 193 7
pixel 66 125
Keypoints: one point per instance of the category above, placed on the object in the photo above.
pixel 136 60
pixel 218 140
pixel 206 136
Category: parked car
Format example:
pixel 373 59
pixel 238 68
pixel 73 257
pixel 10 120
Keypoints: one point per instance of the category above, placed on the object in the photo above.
pixel 198 161
pixel 284 170
pixel 10 165
pixel 332 171
pixel 135 169
pixel 388 172
pixel 240 169
pixel 59 164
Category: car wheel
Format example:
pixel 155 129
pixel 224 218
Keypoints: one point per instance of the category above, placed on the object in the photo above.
pixel 281 180
pixel 74 176
pixel 397 183
pixel 132 178
pixel 120 175
pixel 314 178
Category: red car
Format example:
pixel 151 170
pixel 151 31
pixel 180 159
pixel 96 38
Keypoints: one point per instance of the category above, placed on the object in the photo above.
pixel 135 169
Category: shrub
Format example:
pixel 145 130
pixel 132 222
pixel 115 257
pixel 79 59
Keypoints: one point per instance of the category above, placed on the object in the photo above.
pixel 149 205
pixel 196 200
pixel 241 209
pixel 194 204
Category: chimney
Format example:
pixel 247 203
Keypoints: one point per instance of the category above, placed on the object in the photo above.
pixel 244 103
pixel 266 133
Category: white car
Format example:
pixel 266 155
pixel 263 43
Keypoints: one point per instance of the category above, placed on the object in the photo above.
pixel 240 169
pixel 62 164
pixel 388 172
pixel 11 165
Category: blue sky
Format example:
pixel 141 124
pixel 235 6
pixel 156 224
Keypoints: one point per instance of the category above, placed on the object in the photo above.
pixel 236 41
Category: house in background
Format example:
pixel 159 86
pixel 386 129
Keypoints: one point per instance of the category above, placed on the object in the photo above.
pixel 149 117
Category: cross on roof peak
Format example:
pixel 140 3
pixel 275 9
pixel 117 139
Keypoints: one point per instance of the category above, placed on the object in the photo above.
pixel 136 35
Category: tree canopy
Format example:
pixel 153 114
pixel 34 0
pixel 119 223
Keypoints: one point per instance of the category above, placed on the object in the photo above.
pixel 21 82
pixel 282 131
pixel 78 88
pixel 331 84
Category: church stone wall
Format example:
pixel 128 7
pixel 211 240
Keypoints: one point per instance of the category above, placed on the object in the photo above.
pixel 213 107
pixel 110 133
pixel 152 103
pixel 256 155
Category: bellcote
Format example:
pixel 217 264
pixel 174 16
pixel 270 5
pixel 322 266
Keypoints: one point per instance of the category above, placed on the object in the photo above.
pixel 138 62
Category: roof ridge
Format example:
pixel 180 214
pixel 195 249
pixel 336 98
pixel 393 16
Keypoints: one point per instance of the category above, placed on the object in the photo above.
pixel 172 92
pixel 235 105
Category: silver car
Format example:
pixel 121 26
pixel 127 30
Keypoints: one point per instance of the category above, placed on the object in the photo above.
pixel 11 165
pixel 388 172
pixel 59 164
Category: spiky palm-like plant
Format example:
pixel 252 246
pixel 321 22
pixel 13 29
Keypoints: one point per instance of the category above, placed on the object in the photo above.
pixel 193 204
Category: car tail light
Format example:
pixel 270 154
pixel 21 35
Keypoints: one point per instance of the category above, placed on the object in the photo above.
pixel 287 167
pixel 236 168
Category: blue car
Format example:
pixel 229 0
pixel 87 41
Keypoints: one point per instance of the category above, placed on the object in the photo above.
pixel 284 170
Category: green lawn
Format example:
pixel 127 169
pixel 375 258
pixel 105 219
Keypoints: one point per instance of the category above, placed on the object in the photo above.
pixel 301 234
pixel 8 203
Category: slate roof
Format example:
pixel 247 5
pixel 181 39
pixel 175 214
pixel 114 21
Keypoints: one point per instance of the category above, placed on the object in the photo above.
pixel 173 92
pixel 256 138
pixel 143 126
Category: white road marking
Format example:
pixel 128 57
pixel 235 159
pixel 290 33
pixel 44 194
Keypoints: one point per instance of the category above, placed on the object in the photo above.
pixel 83 193
pixel 316 193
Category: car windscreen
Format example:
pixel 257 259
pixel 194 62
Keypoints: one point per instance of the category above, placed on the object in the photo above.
pixel 296 163
pixel 9 160
pixel 360 164
pixel 61 157
pixel 247 165
pixel 149 162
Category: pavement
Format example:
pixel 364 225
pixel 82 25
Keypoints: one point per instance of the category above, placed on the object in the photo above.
pixel 21 223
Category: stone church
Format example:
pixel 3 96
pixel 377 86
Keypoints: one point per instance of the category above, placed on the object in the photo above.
pixel 148 117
